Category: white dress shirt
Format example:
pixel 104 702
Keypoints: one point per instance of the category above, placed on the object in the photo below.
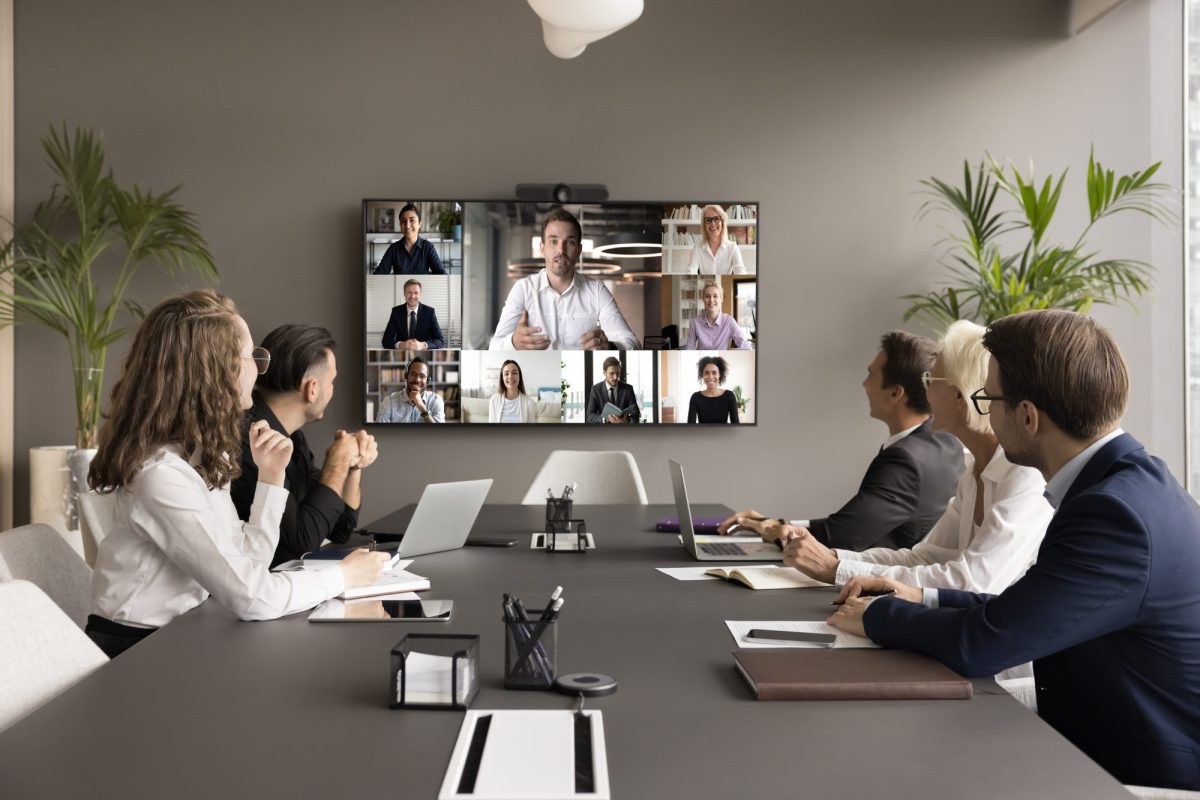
pixel 396 408
pixel 565 317
pixel 172 542
pixel 727 261
pixel 891 440
pixel 957 554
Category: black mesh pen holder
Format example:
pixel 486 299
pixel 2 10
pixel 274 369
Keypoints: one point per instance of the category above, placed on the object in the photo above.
pixel 530 653
pixel 558 512
pixel 434 670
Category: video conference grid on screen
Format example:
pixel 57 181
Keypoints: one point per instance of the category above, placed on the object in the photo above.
pixel 486 312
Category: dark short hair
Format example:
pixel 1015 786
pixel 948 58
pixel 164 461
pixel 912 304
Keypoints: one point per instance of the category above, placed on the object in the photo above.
pixel 411 281
pixel 721 364
pixel 611 361
pixel 416 360
pixel 409 207
pixel 906 356
pixel 520 376
pixel 560 214
pixel 1064 363
pixel 295 350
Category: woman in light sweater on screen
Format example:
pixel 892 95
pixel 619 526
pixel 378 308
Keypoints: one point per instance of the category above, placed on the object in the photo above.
pixel 169 448
pixel 992 529
pixel 510 403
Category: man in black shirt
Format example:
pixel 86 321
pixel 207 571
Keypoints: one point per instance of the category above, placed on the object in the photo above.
pixel 411 255
pixel 296 388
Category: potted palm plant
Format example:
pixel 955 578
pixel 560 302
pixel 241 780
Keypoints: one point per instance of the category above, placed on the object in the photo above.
pixel 1001 261
pixel 70 266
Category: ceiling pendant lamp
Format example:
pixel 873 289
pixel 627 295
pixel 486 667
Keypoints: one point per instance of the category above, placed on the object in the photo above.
pixel 568 26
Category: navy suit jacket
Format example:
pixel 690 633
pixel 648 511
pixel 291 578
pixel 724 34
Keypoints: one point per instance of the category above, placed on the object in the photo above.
pixel 903 494
pixel 427 330
pixel 1109 614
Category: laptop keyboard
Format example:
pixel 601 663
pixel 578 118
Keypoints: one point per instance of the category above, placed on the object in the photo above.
pixel 722 549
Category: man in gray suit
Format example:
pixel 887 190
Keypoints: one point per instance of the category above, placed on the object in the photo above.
pixel 909 483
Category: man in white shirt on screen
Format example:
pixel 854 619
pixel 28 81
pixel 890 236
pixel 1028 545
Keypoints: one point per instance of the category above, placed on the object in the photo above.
pixel 559 309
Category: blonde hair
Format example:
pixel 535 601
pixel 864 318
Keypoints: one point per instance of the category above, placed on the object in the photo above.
pixel 713 285
pixel 724 221
pixel 179 385
pixel 965 364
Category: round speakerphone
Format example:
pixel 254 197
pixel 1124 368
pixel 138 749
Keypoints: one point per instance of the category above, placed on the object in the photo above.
pixel 586 684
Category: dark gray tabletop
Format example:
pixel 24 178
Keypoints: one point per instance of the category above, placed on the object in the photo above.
pixel 213 707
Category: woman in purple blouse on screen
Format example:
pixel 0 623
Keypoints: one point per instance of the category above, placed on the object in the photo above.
pixel 712 404
pixel 714 329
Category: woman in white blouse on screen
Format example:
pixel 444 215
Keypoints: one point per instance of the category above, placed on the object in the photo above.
pixel 992 529
pixel 510 403
pixel 169 447
pixel 716 254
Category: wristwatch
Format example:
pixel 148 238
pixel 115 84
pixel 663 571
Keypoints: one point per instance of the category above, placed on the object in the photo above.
pixel 424 414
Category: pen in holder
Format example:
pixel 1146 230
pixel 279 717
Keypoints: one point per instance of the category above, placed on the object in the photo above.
pixel 530 653
pixel 434 670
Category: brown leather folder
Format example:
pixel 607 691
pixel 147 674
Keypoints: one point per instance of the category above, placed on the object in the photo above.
pixel 848 674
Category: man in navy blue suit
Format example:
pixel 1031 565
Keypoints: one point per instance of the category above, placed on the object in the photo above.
pixel 414 325
pixel 1110 612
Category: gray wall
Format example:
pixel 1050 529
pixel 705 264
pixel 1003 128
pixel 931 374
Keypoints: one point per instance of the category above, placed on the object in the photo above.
pixel 277 117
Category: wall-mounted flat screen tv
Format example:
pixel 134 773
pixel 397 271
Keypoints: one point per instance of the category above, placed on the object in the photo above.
pixel 498 312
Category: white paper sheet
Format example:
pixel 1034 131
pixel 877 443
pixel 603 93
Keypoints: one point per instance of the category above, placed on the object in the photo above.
pixel 739 628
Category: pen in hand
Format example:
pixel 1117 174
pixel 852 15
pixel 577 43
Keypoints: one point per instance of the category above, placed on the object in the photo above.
pixel 868 594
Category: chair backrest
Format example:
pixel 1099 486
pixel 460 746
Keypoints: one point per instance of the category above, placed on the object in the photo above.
pixel 602 477
pixel 44 653
pixel 37 553
pixel 95 514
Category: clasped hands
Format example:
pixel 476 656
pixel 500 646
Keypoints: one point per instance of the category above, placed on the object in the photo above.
pixel 353 450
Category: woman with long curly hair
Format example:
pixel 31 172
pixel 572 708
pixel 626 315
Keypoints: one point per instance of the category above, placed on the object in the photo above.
pixel 169 447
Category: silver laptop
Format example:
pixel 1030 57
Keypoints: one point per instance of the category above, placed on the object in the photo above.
pixel 714 551
pixel 444 517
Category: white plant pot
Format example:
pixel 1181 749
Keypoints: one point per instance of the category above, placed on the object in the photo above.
pixel 56 476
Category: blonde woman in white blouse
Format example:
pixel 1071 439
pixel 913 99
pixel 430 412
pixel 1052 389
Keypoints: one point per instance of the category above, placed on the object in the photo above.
pixel 510 403
pixel 992 529
pixel 716 254
pixel 168 450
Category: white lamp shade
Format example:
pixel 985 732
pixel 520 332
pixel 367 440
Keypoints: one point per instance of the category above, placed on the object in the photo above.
pixel 568 26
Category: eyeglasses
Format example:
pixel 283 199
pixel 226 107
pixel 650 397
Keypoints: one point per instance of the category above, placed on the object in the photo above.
pixel 712 220
pixel 261 359
pixel 983 402
pixel 928 378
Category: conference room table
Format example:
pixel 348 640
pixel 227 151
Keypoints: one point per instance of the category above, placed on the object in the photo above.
pixel 210 706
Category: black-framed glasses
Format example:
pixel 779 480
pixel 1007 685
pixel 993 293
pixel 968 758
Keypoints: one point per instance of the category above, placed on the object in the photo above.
pixel 927 379
pixel 261 358
pixel 712 220
pixel 983 402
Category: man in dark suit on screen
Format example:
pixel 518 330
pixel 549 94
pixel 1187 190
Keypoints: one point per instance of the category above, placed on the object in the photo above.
pixel 910 481
pixel 414 325
pixel 1110 611
pixel 612 390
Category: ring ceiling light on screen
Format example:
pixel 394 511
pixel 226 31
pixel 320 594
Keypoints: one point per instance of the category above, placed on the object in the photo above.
pixel 568 26
pixel 635 250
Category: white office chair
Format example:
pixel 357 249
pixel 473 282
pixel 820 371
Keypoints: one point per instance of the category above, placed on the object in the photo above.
pixel 38 554
pixel 44 653
pixel 1022 689
pixel 604 477
pixel 1154 793
pixel 95 517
